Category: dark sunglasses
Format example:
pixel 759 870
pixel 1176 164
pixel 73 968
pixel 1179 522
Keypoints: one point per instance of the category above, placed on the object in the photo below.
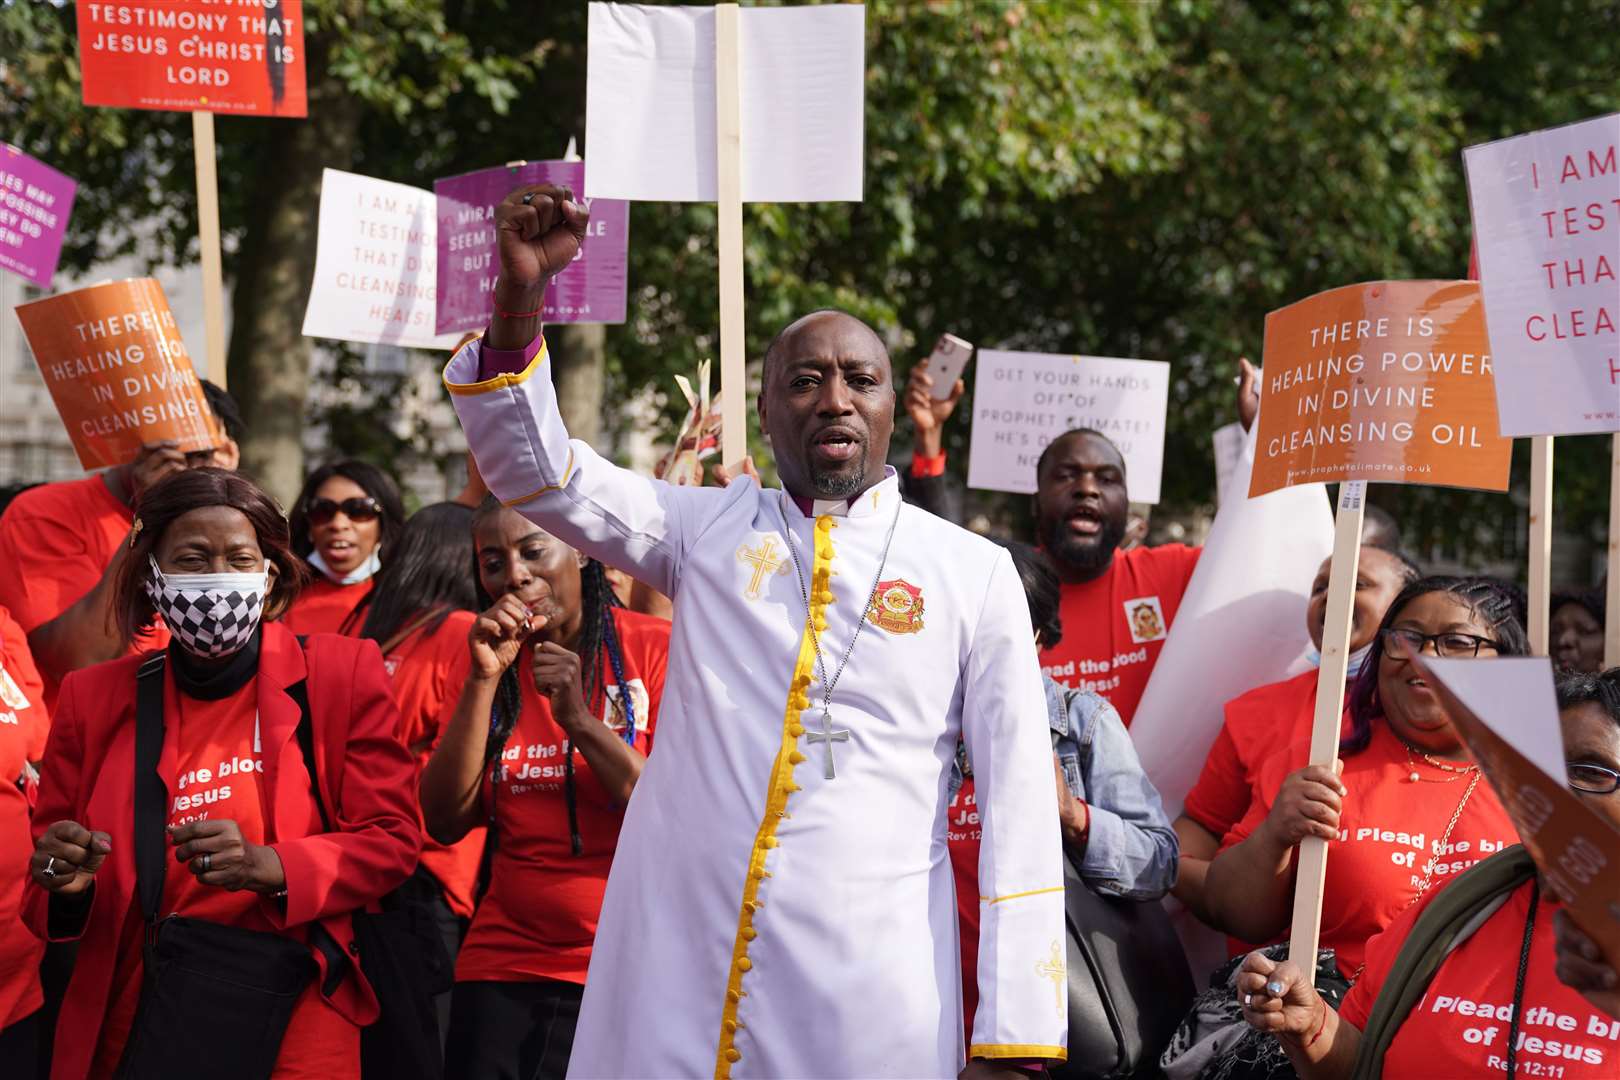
pixel 322 511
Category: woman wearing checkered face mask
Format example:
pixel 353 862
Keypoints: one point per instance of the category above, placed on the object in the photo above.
pixel 271 801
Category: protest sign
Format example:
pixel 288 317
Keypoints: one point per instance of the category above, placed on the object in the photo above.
pixel 651 108
pixel 1023 400
pixel 1546 210
pixel 35 201
pixel 117 370
pixel 375 264
pixel 1507 715
pixel 189 55
pixel 1386 381
pixel 591 290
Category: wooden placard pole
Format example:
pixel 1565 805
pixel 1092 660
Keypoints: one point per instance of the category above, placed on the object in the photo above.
pixel 1311 862
pixel 1540 597
pixel 1611 624
pixel 728 141
pixel 213 270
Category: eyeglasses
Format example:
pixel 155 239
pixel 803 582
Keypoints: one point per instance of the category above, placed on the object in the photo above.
pixel 1593 779
pixel 322 511
pixel 1402 643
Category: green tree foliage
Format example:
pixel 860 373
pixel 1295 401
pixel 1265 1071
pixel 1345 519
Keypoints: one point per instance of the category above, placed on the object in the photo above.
pixel 1128 179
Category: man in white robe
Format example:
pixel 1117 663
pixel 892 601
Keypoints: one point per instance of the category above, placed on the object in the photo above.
pixel 781 903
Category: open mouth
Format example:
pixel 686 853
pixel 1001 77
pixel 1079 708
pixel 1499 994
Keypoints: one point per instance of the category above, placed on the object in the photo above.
pixel 339 550
pixel 1084 521
pixel 835 445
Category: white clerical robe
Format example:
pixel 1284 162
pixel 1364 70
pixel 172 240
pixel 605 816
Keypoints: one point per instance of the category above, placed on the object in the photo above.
pixel 761 919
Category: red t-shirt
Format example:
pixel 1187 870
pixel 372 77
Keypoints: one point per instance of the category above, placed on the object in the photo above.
pixel 56 540
pixel 325 608
pixel 1388 830
pixel 422 666
pixel 218 769
pixel 23 726
pixel 538 919
pixel 1114 627
pixel 1460 1027
pixel 1257 724
pixel 962 836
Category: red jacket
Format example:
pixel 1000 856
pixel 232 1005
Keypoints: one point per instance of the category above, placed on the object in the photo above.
pixel 367 780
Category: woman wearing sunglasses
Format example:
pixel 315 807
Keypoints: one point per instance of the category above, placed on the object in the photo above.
pixel 344 524
pixel 1409 812
pixel 1479 979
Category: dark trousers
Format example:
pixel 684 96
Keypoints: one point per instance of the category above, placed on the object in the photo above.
pixel 425 889
pixel 19 1046
pixel 511 1031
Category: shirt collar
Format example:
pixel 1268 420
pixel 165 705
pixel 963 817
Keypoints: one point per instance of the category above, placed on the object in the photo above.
pixel 881 495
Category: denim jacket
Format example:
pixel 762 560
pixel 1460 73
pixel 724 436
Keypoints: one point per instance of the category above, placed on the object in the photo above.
pixel 1132 851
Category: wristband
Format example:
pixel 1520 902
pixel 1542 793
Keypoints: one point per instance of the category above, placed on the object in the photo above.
pixel 922 466
pixel 517 314
pixel 1321 1029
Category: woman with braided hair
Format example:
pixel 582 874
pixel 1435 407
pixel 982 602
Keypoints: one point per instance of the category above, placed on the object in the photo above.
pixel 558 706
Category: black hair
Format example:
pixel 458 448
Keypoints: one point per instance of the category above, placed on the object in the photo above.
pixel 429 574
pixel 598 646
pixel 1583 688
pixel 1075 433
pixel 1041 589
pixel 1584 598
pixel 1489 600
pixel 225 408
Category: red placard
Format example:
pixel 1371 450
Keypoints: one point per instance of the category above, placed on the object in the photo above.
pixel 224 56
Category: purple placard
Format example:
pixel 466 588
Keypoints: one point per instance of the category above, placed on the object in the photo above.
pixel 589 291
pixel 35 201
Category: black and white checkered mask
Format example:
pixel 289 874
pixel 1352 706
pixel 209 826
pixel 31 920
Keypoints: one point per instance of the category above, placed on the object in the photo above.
pixel 213 615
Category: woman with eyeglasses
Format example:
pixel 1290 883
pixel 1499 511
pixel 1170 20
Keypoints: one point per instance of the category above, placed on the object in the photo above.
pixel 1410 809
pixel 1479 978
pixel 343 525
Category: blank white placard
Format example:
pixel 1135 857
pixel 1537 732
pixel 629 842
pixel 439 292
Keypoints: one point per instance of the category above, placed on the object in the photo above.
pixel 650 103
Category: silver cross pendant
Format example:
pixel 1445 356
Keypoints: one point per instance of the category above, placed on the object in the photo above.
pixel 828 736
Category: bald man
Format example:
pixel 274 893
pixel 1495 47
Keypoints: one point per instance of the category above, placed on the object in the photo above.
pixel 781 901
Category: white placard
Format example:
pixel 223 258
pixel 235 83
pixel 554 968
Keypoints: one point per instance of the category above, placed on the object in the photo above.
pixel 650 103
pixel 376 264
pixel 1228 441
pixel 1514 697
pixel 1546 210
pixel 1024 400
pixel 1241 624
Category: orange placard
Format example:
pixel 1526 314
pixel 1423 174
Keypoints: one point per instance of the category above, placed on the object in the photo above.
pixel 1388 381
pixel 117 371
pixel 194 55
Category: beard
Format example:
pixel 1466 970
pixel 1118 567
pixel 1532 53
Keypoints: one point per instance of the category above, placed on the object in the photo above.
pixel 1086 554
pixel 843 483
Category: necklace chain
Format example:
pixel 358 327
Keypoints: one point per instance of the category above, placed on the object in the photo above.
pixel 860 621
pixel 1457 771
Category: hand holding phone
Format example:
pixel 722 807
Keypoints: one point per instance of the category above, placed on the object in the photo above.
pixel 946 364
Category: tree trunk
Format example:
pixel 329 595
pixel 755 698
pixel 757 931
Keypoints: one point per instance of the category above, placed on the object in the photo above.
pixel 269 355
pixel 579 360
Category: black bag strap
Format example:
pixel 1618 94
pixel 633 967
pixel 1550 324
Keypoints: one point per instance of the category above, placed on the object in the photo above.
pixel 151 794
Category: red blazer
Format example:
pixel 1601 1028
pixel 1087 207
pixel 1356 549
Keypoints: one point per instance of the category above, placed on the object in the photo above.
pixel 368 781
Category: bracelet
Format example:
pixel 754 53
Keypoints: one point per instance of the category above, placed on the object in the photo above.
pixel 517 314
pixel 1321 1029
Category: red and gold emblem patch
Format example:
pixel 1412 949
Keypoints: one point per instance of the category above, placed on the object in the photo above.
pixel 897 607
